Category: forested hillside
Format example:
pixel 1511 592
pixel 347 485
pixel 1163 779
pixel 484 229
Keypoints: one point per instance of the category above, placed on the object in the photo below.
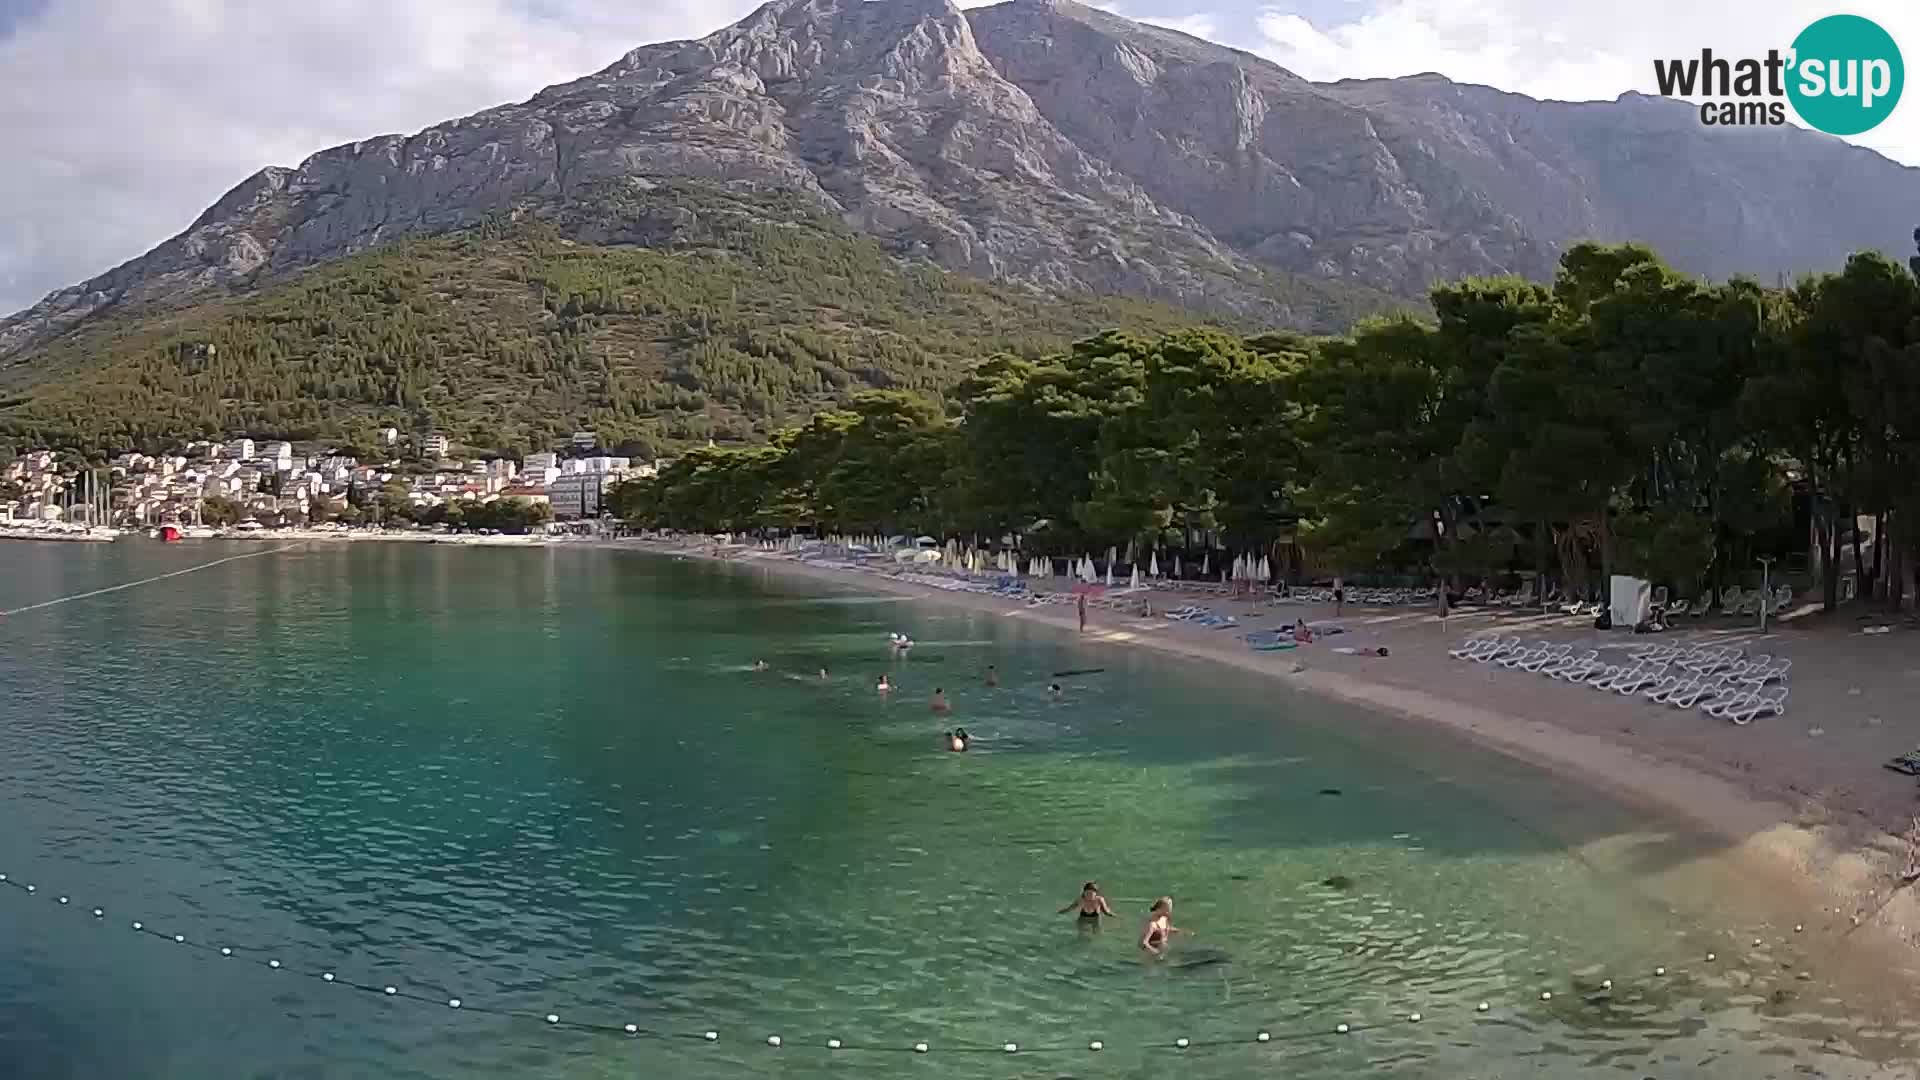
pixel 738 315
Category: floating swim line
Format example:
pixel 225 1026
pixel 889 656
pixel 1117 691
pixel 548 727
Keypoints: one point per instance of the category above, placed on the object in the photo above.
pixel 142 581
pixel 1259 1037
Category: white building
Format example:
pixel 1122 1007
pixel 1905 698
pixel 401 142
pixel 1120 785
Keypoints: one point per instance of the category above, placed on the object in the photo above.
pixel 278 455
pixel 240 449
pixel 540 477
pixel 585 440
pixel 543 461
pixel 434 445
pixel 577 495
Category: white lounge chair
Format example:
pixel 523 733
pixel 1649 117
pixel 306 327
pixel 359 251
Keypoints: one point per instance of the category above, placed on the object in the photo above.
pixel 1732 699
pixel 1770 701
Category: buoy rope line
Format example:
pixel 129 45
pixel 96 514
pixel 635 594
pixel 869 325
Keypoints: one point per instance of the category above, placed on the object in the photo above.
pixel 1259 1037
pixel 143 581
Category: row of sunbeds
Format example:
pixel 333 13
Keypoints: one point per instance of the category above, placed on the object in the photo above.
pixel 1720 681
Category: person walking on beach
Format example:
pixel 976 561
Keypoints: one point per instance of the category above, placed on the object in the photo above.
pixel 1080 603
pixel 1159 931
pixel 1091 906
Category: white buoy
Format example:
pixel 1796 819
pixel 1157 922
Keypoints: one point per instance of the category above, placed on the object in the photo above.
pixel 1756 943
pixel 1797 928
pixel 553 1018
pixel 224 951
pixel 833 1044
pixel 390 990
pixel 773 1040
pixel 328 976
pixel 710 1036
pixel 1011 1048
pixel 1483 1007
pixel 274 964
pixel 1709 958
pixel 1606 984
pixel 1413 1018
pixel 30 888
pixel 179 940
pixel 1182 1043
pixel 632 1029
pixel 1546 995
pixel 1342 1029
pixel 920 1048
pixel 3 877
pixel 63 899
pixel 98 914
pixel 137 926
pixel 1263 1037
pixel 453 1003
pixel 1096 1046
pixel 1660 971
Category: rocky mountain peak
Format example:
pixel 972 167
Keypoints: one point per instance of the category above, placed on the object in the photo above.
pixel 1059 145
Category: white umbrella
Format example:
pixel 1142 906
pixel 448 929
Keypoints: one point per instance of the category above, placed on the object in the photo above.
pixel 1266 569
pixel 1176 566
pixel 1134 581
pixel 1153 564
pixel 1109 573
pixel 1206 564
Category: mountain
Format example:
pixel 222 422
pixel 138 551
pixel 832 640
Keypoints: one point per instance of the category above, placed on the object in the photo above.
pixel 1049 146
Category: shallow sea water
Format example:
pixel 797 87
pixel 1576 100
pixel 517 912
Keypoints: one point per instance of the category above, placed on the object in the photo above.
pixel 548 782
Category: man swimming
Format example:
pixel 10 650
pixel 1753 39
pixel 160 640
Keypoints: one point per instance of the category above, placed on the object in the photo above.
pixel 1053 689
pixel 939 703
pixel 883 686
pixel 1159 931
pixel 759 665
pixel 957 740
pixel 1090 904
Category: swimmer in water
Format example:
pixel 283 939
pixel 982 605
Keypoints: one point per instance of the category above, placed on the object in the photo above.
pixel 993 677
pixel 1159 931
pixel 1091 906
pixel 939 703
pixel 957 740
pixel 759 665
pixel 823 674
pixel 883 686
pixel 1053 689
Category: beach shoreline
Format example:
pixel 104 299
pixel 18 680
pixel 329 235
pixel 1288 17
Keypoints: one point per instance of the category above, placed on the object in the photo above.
pixel 1821 857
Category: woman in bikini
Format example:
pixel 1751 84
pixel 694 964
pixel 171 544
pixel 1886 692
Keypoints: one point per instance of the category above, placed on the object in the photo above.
pixel 1091 906
pixel 1159 930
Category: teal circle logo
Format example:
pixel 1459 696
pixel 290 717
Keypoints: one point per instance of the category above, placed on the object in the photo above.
pixel 1846 75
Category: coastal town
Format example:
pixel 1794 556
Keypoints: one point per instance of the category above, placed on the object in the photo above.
pixel 412 482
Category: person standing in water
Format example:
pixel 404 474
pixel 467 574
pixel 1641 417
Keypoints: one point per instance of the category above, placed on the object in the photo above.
pixel 1159 931
pixel 939 703
pixel 957 740
pixel 883 686
pixel 823 674
pixel 1091 906
pixel 993 677
pixel 1080 602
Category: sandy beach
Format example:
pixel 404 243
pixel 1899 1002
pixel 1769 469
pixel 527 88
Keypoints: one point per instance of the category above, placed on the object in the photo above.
pixel 1801 801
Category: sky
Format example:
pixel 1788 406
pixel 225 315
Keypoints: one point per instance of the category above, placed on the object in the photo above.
pixel 124 119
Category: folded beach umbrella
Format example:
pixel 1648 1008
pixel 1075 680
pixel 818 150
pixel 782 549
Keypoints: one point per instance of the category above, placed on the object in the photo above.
pixel 1206 565
pixel 1134 581
pixel 1153 564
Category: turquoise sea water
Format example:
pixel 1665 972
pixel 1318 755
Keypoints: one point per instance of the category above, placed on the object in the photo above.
pixel 547 782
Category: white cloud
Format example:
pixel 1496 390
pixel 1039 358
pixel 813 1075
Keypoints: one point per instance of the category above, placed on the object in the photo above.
pixel 1567 51
pixel 124 119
